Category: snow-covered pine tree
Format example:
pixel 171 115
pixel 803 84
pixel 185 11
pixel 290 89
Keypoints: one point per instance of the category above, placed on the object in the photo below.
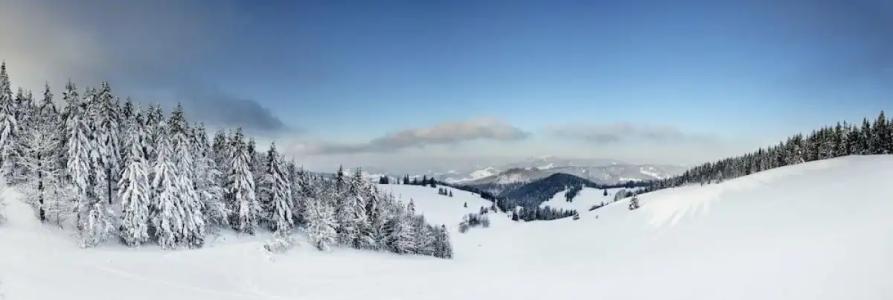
pixel 320 224
pixel 263 186
pixel 278 206
pixel 154 130
pixel 383 221
pixel 256 164
pixel 188 201
pixel 424 236
pixel 209 184
pixel 376 214
pixel 298 181
pixel 106 120
pixel 404 233
pixel 221 151
pixel 134 189
pixel 97 226
pixel 354 229
pixel 128 113
pixel 410 208
pixel 881 137
pixel 23 108
pixel 9 125
pixel 79 151
pixel 166 216
pixel 865 136
pixel 443 248
pixel 240 187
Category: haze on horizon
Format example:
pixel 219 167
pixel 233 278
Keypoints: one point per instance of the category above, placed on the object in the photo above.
pixel 417 84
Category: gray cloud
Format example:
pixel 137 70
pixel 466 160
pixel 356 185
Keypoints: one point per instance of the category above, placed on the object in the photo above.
pixel 624 132
pixel 142 48
pixel 442 134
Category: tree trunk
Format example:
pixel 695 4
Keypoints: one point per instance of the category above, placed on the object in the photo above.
pixel 40 189
pixel 108 179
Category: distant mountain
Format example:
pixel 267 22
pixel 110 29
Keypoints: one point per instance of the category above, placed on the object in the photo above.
pixel 533 193
pixel 599 171
pixel 602 175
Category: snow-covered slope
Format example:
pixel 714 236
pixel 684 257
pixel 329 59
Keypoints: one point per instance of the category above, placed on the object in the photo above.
pixel 821 230
pixel 585 199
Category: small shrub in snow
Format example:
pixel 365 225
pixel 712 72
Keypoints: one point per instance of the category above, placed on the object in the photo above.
pixel 474 220
pixel 634 203
pixel 279 244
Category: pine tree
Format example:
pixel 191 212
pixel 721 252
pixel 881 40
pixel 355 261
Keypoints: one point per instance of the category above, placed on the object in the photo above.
pixel 134 190
pixel 242 200
pixel 321 224
pixel 188 202
pixel 23 109
pixel 97 225
pixel 866 137
pixel 105 118
pixel 353 220
pixel 279 204
pixel 166 216
pixel 154 130
pixel 9 125
pixel 404 235
pixel 443 249
pixel 209 180
pixel 424 236
pixel 79 154
pixel 881 138
pixel 300 192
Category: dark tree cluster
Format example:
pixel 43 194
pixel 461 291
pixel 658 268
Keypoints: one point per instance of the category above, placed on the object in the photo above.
pixel 444 192
pixel 840 140
pixel 541 213
pixel 572 192
pixel 473 220
pixel 424 181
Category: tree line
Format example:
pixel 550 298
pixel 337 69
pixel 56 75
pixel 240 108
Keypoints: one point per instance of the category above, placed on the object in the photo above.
pixel 828 142
pixel 114 169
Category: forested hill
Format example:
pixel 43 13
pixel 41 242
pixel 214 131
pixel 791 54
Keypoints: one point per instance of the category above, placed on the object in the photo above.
pixel 840 140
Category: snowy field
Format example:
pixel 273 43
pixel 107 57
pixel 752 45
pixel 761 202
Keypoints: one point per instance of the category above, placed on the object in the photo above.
pixel 585 199
pixel 821 230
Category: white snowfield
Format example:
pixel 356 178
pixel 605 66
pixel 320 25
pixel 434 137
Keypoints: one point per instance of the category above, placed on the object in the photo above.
pixel 821 230
pixel 585 199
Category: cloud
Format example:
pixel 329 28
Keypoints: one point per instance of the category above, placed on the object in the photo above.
pixel 624 132
pixel 221 109
pixel 449 133
pixel 144 49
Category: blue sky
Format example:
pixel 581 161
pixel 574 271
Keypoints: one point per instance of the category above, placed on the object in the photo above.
pixel 411 82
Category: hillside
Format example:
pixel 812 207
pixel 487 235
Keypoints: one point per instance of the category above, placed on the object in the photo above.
pixel 818 230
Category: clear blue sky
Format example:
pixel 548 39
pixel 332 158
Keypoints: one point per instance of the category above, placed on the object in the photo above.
pixel 343 80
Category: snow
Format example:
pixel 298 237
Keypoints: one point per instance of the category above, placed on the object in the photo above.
pixel 650 171
pixel 474 175
pixel 585 199
pixel 820 230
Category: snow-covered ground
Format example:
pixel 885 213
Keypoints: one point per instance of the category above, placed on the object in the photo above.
pixel 821 230
pixel 585 199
